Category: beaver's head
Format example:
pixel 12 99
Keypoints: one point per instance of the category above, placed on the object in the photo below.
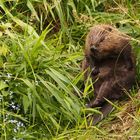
pixel 105 41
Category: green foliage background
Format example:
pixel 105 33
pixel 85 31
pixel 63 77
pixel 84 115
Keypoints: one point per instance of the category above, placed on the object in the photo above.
pixel 41 49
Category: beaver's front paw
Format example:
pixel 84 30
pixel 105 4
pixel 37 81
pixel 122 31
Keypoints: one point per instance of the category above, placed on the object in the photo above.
pixel 95 71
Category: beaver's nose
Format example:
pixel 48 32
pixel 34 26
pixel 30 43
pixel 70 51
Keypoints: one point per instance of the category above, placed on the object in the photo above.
pixel 93 48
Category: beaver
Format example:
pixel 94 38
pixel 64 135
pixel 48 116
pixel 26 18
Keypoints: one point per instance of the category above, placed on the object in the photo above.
pixel 109 59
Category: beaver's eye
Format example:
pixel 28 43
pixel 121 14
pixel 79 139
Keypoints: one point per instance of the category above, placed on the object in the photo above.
pixel 109 29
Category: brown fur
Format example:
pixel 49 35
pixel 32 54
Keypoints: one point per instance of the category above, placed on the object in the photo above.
pixel 109 58
pixel 107 40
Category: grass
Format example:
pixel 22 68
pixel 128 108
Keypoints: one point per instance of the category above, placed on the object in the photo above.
pixel 41 49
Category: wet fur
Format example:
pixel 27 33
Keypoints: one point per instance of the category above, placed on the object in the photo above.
pixel 112 62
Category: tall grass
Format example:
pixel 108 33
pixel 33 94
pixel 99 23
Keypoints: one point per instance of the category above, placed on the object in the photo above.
pixel 41 48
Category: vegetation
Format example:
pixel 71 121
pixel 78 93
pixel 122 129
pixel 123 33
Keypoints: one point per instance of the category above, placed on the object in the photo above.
pixel 41 49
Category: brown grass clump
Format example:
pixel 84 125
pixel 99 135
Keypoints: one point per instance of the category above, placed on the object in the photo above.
pixel 125 125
